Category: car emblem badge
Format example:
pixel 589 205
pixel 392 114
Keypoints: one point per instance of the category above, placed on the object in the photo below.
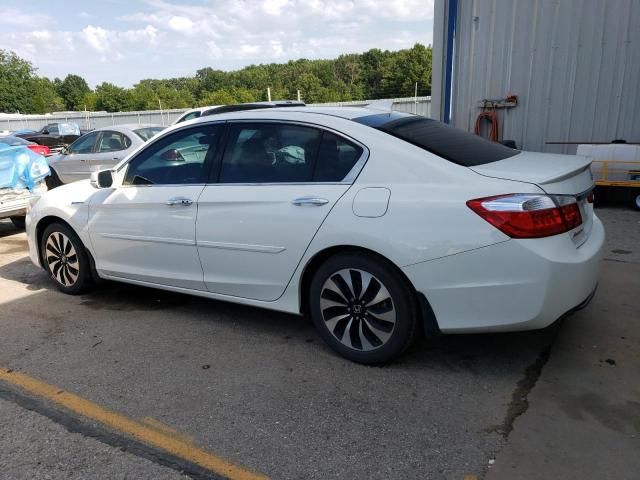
pixel 357 309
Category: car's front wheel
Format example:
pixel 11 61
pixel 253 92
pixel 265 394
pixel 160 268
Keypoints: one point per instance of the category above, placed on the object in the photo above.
pixel 66 259
pixel 363 308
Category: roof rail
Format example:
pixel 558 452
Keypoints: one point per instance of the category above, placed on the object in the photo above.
pixel 238 107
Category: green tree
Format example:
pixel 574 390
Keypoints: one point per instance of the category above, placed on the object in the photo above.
pixel 89 100
pixel 44 97
pixel 219 97
pixel 16 83
pixel 371 75
pixel 72 90
pixel 112 98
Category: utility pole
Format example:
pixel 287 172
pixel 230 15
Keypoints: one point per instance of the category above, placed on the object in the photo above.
pixel 298 95
pixel 415 99
pixel 161 114
pixel 269 94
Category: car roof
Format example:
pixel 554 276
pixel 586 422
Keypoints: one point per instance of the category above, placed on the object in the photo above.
pixel 348 113
pixel 128 127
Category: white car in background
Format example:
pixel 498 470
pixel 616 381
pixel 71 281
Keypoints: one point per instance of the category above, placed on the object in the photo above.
pixel 194 113
pixel 97 150
pixel 374 223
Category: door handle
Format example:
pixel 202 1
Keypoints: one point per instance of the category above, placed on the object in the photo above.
pixel 182 201
pixel 310 201
pixel 115 158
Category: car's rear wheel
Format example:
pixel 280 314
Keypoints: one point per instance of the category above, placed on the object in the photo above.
pixel 18 221
pixel 66 259
pixel 363 308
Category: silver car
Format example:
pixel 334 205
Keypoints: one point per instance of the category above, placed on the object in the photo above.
pixel 97 150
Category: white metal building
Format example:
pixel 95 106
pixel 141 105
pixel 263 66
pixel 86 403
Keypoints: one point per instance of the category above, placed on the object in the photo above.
pixel 573 64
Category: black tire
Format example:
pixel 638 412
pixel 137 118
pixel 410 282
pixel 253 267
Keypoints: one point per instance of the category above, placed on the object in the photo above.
pixel 53 180
pixel 335 315
pixel 636 201
pixel 18 221
pixel 68 266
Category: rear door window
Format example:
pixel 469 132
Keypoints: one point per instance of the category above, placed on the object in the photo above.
pixel 269 153
pixel 336 158
pixel 453 144
pixel 111 141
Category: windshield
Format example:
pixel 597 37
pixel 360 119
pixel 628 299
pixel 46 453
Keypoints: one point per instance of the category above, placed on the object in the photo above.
pixel 457 146
pixel 148 132
pixel 13 141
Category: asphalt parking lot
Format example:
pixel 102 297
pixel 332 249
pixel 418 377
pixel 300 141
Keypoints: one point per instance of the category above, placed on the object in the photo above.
pixel 259 389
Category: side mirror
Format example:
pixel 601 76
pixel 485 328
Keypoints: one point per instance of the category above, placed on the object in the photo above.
pixel 102 179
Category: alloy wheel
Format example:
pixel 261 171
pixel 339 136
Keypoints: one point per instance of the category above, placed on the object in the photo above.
pixel 357 309
pixel 62 259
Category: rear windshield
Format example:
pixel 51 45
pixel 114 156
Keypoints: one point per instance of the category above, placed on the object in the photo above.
pixel 146 133
pixel 453 144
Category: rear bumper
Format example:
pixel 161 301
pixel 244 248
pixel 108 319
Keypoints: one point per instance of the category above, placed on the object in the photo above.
pixel 10 208
pixel 513 285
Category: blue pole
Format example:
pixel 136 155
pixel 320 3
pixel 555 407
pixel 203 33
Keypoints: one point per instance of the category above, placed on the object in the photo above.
pixel 451 32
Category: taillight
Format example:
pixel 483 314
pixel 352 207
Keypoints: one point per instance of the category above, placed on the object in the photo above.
pixel 40 149
pixel 529 215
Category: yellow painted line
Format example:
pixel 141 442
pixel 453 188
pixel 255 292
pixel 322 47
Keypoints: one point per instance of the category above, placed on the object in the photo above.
pixel 470 477
pixel 161 437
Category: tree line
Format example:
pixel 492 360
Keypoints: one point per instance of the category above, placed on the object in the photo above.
pixel 370 75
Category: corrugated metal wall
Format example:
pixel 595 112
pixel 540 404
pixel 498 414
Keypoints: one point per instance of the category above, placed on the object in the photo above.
pixel 574 64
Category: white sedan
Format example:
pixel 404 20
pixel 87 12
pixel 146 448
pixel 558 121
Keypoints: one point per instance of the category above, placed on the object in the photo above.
pixel 378 225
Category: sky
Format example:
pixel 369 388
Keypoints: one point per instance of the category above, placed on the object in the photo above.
pixel 124 41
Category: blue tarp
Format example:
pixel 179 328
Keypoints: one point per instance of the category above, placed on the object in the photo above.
pixel 21 168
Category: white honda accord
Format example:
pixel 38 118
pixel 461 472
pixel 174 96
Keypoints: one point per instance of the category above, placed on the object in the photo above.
pixel 379 225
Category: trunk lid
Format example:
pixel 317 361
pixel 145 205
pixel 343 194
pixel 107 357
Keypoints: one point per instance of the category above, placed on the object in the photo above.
pixel 555 174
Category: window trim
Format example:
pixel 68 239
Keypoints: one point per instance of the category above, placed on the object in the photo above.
pixel 102 133
pixel 98 135
pixel 349 179
pixel 147 145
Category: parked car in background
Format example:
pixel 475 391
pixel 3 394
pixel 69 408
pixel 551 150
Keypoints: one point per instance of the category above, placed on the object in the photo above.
pixel 13 141
pixel 194 113
pixel 54 135
pixel 97 150
pixel 374 223
pixel 23 131
pixel 22 173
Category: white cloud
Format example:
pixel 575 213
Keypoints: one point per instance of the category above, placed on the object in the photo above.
pixel 276 48
pixel 180 24
pixel 249 49
pixel 214 50
pixel 41 34
pixel 274 7
pixel 96 37
pixel 15 17
pixel 165 38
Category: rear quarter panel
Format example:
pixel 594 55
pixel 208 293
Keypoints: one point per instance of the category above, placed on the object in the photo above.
pixel 427 217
